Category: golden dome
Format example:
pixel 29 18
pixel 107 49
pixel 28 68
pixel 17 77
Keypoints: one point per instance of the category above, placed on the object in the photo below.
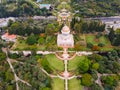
pixel 65 29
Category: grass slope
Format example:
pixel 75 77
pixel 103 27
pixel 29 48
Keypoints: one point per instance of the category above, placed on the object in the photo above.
pixel 73 64
pixel 55 63
pixel 57 84
pixel 74 84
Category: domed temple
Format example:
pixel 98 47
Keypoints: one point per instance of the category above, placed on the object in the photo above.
pixel 65 39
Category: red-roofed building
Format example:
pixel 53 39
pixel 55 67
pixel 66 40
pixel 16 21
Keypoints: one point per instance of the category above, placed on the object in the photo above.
pixel 7 37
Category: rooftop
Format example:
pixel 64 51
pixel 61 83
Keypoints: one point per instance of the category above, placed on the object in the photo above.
pixel 65 29
pixel 7 35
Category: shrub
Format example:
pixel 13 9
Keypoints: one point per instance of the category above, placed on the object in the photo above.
pixel 101 45
pixel 31 40
pixel 99 35
pixel 89 45
pixel 41 40
pixel 86 80
pixel 95 48
pixel 14 56
pixel 95 66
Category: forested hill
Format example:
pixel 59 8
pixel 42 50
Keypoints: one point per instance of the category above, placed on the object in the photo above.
pixel 93 8
pixel 85 8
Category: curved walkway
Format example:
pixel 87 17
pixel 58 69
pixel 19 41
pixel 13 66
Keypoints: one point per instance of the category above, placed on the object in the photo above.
pixel 61 58
pixel 16 77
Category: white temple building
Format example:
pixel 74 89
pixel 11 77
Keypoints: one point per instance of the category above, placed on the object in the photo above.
pixel 65 39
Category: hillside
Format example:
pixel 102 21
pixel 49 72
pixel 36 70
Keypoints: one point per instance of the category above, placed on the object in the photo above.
pixel 22 8
pixel 93 8
pixel 84 8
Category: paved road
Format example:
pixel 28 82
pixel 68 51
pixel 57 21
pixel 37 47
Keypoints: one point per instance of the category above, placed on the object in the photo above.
pixel 108 19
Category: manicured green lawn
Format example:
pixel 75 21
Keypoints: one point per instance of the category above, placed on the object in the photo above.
pixel 57 84
pixel 102 39
pixel 91 39
pixel 73 64
pixel 105 48
pixel 55 63
pixel 21 45
pixel 84 48
pixel 74 84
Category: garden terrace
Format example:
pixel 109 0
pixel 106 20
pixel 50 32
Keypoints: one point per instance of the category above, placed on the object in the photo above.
pixel 57 84
pixel 55 64
pixel 73 64
pixel 74 84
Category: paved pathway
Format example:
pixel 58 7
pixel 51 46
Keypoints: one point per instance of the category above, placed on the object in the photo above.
pixel 65 77
pixel 15 76
pixel 66 74
pixel 98 81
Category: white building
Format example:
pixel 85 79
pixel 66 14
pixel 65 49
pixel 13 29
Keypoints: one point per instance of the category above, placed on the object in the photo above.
pixel 114 25
pixel 12 52
pixel 111 24
pixel 39 1
pixel 26 53
pixel 4 21
pixel 47 6
pixel 65 39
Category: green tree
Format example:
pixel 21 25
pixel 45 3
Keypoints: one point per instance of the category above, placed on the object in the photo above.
pixel 3 8
pixel 14 56
pixel 2 56
pixel 17 28
pixel 50 29
pixel 116 40
pixel 77 28
pixel 9 76
pixel 110 80
pixel 101 44
pixel 96 87
pixel 10 87
pixel 10 23
pixel 31 40
pixel 86 80
pixel 95 66
pixel 117 31
pixel 96 57
pixel 89 45
pixel 111 35
pixel 41 40
pixel 84 65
